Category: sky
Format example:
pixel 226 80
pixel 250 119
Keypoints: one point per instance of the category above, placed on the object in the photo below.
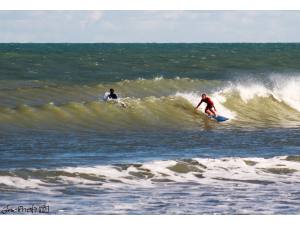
pixel 149 26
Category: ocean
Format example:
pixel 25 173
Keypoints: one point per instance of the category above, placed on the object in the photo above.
pixel 62 147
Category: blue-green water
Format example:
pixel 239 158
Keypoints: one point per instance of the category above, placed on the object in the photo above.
pixel 150 152
pixel 98 63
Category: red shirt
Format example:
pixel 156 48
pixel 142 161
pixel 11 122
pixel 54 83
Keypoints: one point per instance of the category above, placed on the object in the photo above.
pixel 208 101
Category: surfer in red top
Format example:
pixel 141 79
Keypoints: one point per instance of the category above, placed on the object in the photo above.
pixel 210 108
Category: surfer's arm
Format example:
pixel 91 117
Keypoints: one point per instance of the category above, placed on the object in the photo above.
pixel 198 105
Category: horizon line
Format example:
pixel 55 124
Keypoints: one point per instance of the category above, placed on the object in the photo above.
pixel 279 42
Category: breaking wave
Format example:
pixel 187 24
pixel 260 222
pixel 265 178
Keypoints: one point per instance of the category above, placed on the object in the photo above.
pixel 252 171
pixel 153 103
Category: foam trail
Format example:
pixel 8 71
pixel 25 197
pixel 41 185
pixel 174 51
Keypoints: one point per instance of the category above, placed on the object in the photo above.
pixel 20 182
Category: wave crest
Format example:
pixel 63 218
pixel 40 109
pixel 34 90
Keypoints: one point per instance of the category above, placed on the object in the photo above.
pixel 160 105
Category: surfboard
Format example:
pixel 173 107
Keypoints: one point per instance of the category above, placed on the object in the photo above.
pixel 105 96
pixel 219 118
pixel 118 101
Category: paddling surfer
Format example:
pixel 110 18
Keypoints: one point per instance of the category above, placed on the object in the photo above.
pixel 112 94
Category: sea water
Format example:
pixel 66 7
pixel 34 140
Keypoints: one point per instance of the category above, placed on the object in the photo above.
pixel 63 147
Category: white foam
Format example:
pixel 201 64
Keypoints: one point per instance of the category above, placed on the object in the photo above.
pixel 288 90
pixel 283 88
pixel 224 168
pixel 219 100
pixel 158 78
pixel 214 171
pixel 250 91
pixel 19 182
pixel 108 171
pixel 77 180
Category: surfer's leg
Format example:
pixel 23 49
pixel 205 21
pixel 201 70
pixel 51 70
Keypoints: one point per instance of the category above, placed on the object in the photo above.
pixel 208 112
pixel 213 112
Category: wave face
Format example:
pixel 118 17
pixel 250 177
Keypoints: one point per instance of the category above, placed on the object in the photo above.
pixel 157 103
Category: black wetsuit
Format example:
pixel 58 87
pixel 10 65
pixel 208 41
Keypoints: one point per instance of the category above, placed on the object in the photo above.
pixel 112 96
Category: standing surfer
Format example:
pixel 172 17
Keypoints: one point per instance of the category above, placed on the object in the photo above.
pixel 210 109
